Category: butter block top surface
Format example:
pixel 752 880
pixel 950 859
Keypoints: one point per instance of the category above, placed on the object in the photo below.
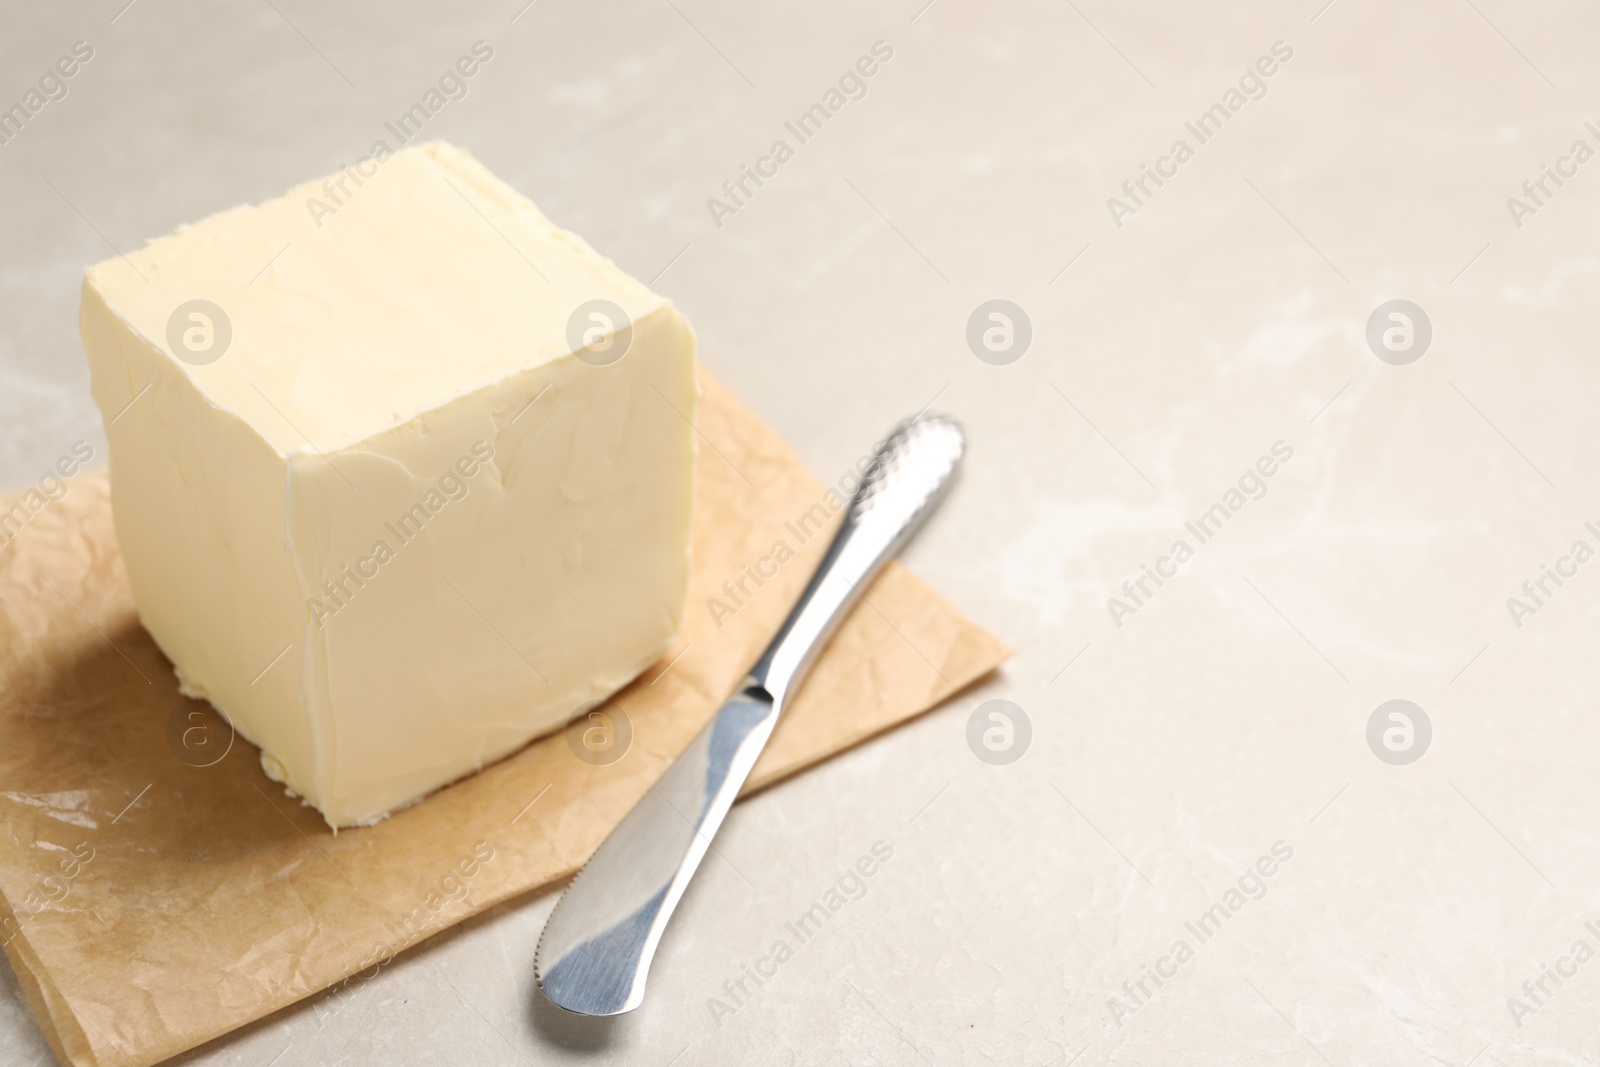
pixel 393 287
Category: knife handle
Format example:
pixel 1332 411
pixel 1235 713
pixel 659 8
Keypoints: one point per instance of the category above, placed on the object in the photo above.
pixel 909 473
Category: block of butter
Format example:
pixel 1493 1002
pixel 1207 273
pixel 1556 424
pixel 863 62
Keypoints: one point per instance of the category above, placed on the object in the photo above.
pixel 402 472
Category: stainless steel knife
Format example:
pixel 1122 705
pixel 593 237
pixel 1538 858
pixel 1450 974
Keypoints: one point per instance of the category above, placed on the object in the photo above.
pixel 595 952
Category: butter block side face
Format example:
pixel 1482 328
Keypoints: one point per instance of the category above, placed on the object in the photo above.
pixel 399 475
pixel 511 558
pixel 197 499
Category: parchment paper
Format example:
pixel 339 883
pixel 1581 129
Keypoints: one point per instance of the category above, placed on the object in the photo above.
pixel 157 890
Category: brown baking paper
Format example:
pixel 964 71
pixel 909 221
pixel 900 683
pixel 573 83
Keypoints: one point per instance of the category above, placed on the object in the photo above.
pixel 149 903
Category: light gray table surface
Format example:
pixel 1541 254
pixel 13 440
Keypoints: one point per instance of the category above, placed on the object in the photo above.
pixel 1172 345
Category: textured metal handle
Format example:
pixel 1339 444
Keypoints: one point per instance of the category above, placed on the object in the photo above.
pixel 909 473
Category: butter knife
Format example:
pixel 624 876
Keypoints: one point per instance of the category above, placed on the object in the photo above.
pixel 595 952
